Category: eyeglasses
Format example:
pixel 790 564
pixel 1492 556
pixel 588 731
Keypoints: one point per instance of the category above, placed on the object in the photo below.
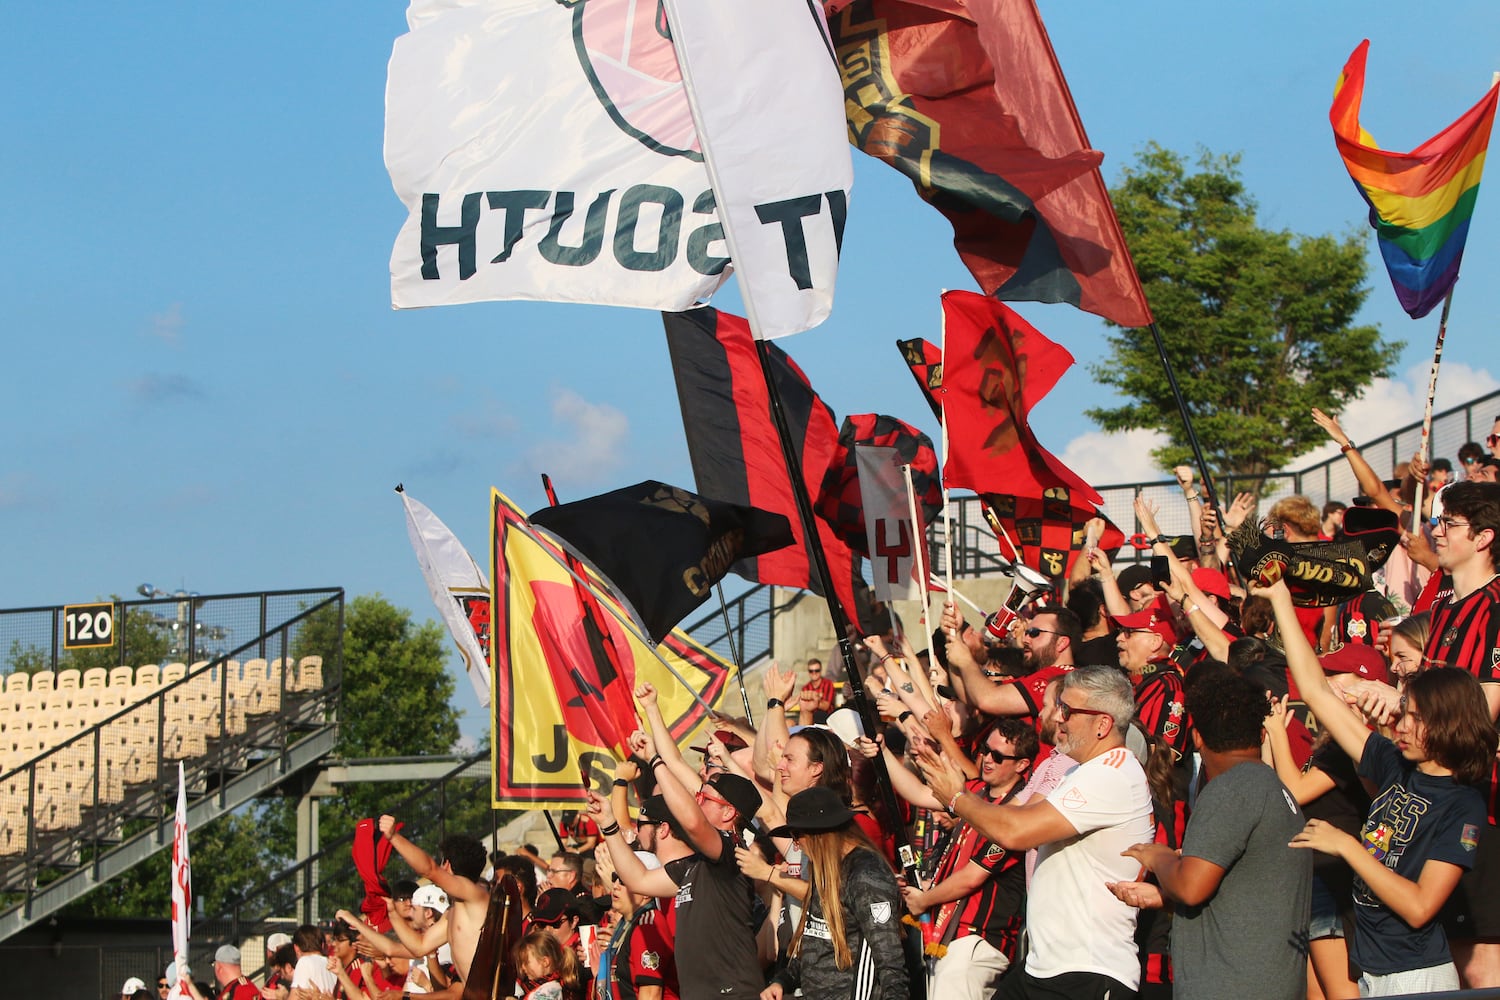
pixel 704 795
pixel 1449 523
pixel 1033 631
pixel 815 670
pixel 998 757
pixel 1067 711
pixel 558 871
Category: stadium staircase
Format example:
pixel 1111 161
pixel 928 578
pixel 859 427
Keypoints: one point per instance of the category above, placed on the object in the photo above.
pixel 89 758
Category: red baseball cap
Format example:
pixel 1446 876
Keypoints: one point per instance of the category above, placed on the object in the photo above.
pixel 1211 581
pixel 1356 658
pixel 1149 620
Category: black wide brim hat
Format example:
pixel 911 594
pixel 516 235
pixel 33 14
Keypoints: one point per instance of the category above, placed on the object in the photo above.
pixel 814 810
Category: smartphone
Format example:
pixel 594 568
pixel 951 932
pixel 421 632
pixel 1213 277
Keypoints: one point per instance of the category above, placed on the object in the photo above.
pixel 1161 571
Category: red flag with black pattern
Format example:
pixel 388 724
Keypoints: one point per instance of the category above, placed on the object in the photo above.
pixel 735 450
pixel 1049 530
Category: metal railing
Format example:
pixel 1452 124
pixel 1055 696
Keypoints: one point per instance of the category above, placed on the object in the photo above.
pixel 1331 479
pixel 314 888
pixel 69 803
pixel 751 619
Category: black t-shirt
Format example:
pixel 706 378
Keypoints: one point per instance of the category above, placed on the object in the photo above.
pixel 1100 651
pixel 715 945
pixel 1344 806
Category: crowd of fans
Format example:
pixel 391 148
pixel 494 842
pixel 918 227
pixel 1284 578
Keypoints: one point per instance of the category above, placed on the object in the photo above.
pixel 1145 783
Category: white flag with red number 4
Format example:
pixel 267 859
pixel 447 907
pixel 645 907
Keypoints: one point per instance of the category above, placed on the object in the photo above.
pixel 888 524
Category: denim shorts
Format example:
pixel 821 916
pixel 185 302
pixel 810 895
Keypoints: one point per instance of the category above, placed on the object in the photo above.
pixel 1324 922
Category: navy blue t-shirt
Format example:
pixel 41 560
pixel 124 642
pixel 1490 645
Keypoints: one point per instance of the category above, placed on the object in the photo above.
pixel 1415 819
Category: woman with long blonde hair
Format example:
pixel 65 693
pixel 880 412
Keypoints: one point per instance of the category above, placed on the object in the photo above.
pixel 848 943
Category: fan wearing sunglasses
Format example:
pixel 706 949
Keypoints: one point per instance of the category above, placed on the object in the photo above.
pixel 1082 937
pixel 1048 643
pixel 979 890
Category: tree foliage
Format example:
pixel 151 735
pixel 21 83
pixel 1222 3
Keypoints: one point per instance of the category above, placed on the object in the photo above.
pixel 145 641
pixel 1258 323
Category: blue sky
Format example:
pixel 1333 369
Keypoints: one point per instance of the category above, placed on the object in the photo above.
pixel 204 384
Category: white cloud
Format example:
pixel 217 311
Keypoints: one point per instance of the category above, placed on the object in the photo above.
pixel 167 326
pixel 1392 403
pixel 1104 458
pixel 593 442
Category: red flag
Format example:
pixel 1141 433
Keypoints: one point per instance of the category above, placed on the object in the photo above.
pixel 996 367
pixel 1049 530
pixel 734 447
pixel 1002 155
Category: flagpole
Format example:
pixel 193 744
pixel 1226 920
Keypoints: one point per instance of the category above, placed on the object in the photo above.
pixel 739 664
pixel 920 530
pixel 1437 359
pixel 1187 418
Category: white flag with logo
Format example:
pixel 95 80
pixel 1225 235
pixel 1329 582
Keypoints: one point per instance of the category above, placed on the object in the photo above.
pixel 458 587
pixel 888 526
pixel 182 888
pixel 546 149
pixel 768 104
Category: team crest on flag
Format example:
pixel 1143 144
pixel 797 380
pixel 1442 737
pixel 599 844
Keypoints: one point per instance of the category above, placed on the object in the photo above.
pixel 555 708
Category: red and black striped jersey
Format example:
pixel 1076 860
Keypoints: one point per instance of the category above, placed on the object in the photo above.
pixel 1466 633
pixel 996 909
pixel 1160 707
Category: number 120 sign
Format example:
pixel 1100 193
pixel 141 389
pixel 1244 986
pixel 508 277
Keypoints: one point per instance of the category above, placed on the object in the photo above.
pixel 86 626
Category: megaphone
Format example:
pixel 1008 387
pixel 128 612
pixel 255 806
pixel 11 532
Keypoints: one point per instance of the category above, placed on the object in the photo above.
pixel 1027 587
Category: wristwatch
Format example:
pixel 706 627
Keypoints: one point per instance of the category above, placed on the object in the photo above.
pixel 775 703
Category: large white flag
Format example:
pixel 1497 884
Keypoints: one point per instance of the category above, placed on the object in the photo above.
pixel 768 104
pixel 182 889
pixel 894 542
pixel 546 149
pixel 458 587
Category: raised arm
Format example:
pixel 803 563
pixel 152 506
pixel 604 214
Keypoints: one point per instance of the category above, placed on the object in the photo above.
pixel 1305 786
pixel 386 946
pixel 701 835
pixel 981 692
pixel 456 886
pixel 1016 828
pixel 1321 699
pixel 1370 484
pixel 1114 601
pixel 634 875
pixel 774 733
pixel 661 736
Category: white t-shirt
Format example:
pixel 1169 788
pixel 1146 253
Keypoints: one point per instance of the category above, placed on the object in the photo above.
pixel 312 970
pixel 1076 924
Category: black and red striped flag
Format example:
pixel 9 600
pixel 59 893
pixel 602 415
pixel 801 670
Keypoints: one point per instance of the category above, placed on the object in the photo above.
pixel 840 503
pixel 732 440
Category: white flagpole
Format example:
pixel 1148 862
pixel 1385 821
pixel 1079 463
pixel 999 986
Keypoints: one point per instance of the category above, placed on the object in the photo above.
pixel 182 890
pixel 920 531
pixel 1437 359
pixel 947 518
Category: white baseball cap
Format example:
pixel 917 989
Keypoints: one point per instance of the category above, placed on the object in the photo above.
pixel 432 897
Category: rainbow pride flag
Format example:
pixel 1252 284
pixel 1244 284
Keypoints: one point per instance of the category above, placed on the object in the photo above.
pixel 1420 202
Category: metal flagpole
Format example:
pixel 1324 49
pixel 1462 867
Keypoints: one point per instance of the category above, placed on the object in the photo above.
pixel 1187 419
pixel 1437 359
pixel 920 531
pixel 734 652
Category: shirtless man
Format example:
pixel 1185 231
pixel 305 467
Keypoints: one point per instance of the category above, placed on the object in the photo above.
pixel 457 875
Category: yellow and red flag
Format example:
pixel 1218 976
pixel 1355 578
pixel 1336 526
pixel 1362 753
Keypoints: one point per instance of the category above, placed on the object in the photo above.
pixel 560 710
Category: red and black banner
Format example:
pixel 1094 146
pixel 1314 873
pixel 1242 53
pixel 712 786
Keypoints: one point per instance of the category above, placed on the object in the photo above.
pixel 732 440
pixel 996 367
pixel 966 99
pixel 1048 529
pixel 662 547
pixel 839 502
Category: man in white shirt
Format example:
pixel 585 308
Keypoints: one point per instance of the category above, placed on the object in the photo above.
pixel 1082 937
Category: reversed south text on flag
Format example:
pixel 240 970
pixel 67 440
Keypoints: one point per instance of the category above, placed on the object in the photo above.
pixel 548 150
pixel 1420 202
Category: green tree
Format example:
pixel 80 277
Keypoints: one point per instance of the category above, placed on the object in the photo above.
pixel 145 641
pixel 1258 323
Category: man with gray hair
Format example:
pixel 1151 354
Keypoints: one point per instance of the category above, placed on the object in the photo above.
pixel 1082 937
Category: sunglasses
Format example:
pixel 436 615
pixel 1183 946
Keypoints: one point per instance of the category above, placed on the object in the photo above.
pixel 704 795
pixel 998 757
pixel 1492 439
pixel 1067 711
pixel 1033 631
pixel 615 878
